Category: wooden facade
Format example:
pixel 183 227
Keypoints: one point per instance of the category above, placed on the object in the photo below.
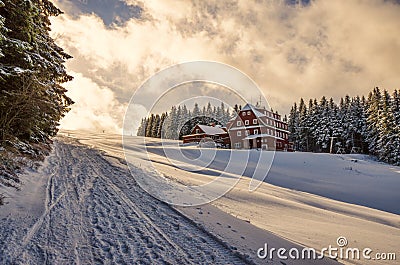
pixel 252 128
pixel 259 128
pixel 202 132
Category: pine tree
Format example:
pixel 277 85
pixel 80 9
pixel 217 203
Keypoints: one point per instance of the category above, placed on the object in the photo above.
pixel 312 123
pixel 336 122
pixel 172 124
pixel 357 122
pixel 293 124
pixel 396 107
pixel 323 132
pixel 149 126
pixel 218 115
pixel 386 129
pixel 372 125
pixel 142 128
pixel 32 100
pixel 236 108
pixel 184 122
pixel 163 117
pixel 155 126
pixel 395 140
pixel 373 115
pixel 196 110
pixel 228 116
pixel 3 31
pixel 302 130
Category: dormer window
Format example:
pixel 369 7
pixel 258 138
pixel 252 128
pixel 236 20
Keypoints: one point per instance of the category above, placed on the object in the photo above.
pixel 244 113
pixel 248 113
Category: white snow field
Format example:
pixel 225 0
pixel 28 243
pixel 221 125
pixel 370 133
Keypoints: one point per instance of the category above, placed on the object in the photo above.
pixel 94 213
pixel 315 199
pixel 84 207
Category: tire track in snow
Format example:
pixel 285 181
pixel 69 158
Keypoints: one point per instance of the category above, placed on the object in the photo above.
pixel 95 213
pixel 121 179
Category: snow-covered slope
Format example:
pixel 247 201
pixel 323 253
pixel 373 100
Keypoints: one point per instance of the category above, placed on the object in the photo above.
pixel 85 209
pixel 316 197
pixel 355 179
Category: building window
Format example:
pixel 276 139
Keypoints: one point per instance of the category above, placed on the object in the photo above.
pixel 255 121
pixel 239 133
pixel 197 130
pixel 247 132
pixel 248 113
pixel 246 122
pixel 237 145
pixel 255 131
pixel 244 113
pixel 239 123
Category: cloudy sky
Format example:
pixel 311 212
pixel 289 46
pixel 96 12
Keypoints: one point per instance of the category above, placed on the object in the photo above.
pixel 289 49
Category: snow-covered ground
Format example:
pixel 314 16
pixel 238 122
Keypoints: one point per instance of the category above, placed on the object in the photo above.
pixel 94 213
pixel 85 208
pixel 313 198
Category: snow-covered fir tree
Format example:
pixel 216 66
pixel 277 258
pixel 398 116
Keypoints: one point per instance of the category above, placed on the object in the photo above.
pixel 180 121
pixel 32 71
pixel 368 125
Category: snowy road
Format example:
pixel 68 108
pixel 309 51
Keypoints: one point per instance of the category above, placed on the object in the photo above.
pixel 94 213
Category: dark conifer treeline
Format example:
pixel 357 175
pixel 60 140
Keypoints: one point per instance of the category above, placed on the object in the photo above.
pixel 369 125
pixel 180 121
pixel 32 100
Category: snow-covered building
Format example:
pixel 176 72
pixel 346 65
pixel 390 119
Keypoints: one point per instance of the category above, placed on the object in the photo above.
pixel 218 134
pixel 252 128
pixel 258 128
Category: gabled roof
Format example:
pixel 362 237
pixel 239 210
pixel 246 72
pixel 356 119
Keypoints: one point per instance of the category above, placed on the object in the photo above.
pixel 248 106
pixel 211 130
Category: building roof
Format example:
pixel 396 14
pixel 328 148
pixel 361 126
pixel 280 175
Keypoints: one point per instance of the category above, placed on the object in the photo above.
pixel 248 106
pixel 211 130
